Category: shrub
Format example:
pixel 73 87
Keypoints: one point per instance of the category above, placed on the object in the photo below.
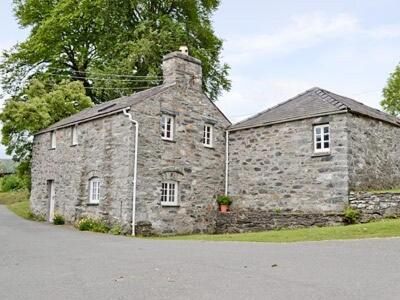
pixel 350 215
pixel 224 200
pixel 91 224
pixel 12 183
pixel 58 220
pixel 116 230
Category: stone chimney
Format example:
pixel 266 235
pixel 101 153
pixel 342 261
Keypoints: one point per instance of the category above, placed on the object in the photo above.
pixel 179 67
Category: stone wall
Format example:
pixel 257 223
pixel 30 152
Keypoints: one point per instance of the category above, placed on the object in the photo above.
pixel 198 170
pixel 375 205
pixel 104 150
pixel 374 154
pixel 275 167
pixel 256 220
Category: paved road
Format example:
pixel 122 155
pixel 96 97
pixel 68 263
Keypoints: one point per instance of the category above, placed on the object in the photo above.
pixel 42 261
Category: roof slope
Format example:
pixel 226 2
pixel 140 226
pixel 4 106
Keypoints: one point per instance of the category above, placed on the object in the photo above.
pixel 107 108
pixel 313 102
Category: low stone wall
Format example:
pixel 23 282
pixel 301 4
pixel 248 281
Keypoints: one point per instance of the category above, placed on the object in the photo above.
pixel 375 205
pixel 256 220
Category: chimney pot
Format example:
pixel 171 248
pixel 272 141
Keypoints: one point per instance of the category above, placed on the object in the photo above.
pixel 184 50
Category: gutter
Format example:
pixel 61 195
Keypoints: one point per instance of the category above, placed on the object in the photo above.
pixel 226 161
pixel 136 123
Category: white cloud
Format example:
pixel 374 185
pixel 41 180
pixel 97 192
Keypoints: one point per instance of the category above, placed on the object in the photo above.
pixel 302 32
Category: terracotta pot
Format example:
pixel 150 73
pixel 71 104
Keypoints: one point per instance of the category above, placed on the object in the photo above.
pixel 223 208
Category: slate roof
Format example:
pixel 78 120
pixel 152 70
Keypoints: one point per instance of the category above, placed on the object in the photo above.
pixel 107 108
pixel 311 103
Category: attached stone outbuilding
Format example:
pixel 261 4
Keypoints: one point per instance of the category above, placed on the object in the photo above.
pixel 308 153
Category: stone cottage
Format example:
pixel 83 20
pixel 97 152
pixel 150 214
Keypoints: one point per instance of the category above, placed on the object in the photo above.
pixel 157 159
pixel 84 165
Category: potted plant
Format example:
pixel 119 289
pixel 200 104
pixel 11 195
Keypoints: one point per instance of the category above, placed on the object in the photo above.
pixel 224 202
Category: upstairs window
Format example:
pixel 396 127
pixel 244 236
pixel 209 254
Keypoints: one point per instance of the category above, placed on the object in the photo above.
pixel 53 140
pixel 94 190
pixel 169 193
pixel 208 135
pixel 167 127
pixel 74 135
pixel 322 139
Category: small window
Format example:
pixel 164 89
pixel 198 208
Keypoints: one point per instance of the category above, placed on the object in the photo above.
pixel 169 193
pixel 94 190
pixel 53 140
pixel 167 127
pixel 322 140
pixel 74 135
pixel 208 135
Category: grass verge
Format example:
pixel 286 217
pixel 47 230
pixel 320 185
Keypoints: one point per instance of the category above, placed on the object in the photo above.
pixel 18 203
pixel 395 191
pixel 21 209
pixel 7 198
pixel 383 228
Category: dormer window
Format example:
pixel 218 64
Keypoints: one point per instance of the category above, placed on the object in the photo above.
pixel 74 135
pixel 208 135
pixel 167 127
pixel 53 140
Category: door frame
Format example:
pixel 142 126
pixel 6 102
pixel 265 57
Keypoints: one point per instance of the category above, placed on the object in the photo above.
pixel 51 198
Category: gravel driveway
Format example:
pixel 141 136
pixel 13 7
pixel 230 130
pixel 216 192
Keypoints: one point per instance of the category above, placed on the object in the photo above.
pixel 42 261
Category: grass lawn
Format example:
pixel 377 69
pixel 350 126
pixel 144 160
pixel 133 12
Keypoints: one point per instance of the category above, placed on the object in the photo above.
pixel 17 202
pixel 384 228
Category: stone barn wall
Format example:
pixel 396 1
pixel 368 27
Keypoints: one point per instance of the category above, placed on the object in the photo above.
pixel 374 154
pixel 275 167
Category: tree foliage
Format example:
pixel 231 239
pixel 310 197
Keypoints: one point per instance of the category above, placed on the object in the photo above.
pixel 37 107
pixel 391 93
pixel 85 39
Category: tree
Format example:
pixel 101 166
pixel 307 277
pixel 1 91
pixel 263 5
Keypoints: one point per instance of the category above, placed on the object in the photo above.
pixel 87 40
pixel 391 93
pixel 37 107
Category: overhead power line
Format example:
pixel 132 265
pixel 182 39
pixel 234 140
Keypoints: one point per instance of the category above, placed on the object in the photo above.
pixel 108 74
pixel 111 79
pixel 113 88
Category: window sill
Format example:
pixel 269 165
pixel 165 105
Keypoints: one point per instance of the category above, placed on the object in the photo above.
pixel 167 140
pixel 74 145
pixel 170 205
pixel 209 147
pixel 52 148
pixel 320 154
pixel 92 204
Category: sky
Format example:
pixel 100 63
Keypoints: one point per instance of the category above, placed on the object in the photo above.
pixel 278 49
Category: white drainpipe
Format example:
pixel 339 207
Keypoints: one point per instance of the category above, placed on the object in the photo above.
pixel 226 162
pixel 134 166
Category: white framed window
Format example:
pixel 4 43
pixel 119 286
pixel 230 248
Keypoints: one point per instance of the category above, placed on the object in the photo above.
pixel 167 127
pixel 94 190
pixel 322 138
pixel 74 135
pixel 169 193
pixel 53 139
pixel 208 135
